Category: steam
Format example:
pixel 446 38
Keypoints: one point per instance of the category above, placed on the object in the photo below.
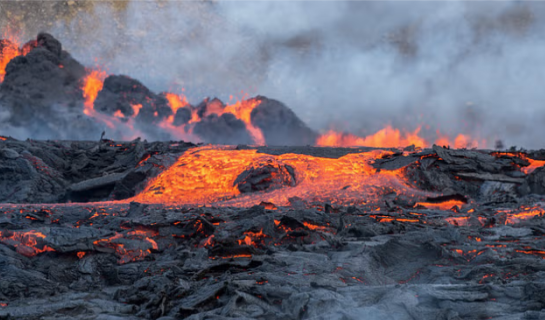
pixel 460 67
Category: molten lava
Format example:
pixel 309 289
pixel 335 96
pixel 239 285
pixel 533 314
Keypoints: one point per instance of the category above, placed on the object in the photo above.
pixel 534 164
pixel 176 102
pixel 389 137
pixel 92 84
pixel 126 249
pixel 524 213
pixel 206 175
pixel 385 138
pixel 243 111
pixel 445 205
pixel 461 141
pixel 28 243
pixel 9 49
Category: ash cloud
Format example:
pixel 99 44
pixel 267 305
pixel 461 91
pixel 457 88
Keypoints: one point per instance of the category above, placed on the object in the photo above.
pixel 460 67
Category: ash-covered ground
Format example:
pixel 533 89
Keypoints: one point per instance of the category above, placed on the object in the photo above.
pixel 468 245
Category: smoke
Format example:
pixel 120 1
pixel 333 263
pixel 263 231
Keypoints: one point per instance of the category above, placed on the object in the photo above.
pixel 460 67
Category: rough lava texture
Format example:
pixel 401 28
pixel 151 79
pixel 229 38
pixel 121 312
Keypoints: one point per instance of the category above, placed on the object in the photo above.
pixel 68 251
pixel 478 256
pixel 35 82
pixel 41 96
pixel 80 171
pixel 280 125
pixel 120 93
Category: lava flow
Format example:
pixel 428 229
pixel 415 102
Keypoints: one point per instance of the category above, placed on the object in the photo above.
pixel 390 137
pixel 208 175
pixel 25 243
pixel 9 49
pixel 534 164
pixel 92 84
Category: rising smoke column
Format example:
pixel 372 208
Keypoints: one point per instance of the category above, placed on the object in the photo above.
pixel 460 67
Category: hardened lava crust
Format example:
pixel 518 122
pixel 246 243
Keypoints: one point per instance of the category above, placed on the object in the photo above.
pixel 173 230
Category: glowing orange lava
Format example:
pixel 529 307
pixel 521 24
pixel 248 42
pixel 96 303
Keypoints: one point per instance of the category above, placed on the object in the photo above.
pixel 446 205
pixel 8 50
pixel 524 214
pixel 458 221
pixel 206 175
pixel 461 141
pixel 390 137
pixel 243 111
pixel 92 84
pixel 136 109
pixel 534 164
pixel 176 102
pixel 127 253
pixel 28 243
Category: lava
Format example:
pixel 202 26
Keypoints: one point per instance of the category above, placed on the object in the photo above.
pixel 387 137
pixel 384 218
pixel 243 111
pixel 458 221
pixel 126 249
pixel 92 84
pixel 534 164
pixel 390 137
pixel 445 205
pixel 206 175
pixel 176 102
pixel 29 243
pixel 9 49
pixel 524 214
pixel 461 141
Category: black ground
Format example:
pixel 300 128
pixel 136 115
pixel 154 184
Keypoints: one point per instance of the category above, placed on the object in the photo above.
pixel 391 259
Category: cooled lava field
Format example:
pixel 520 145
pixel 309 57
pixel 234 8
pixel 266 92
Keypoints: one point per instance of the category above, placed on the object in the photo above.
pixel 307 227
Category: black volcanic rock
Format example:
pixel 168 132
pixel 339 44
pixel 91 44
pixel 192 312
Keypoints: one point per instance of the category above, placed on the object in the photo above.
pixel 42 94
pixel 120 93
pixel 47 76
pixel 208 107
pixel 280 125
pixel 224 129
pixel 308 260
pixel 267 176
pixel 536 181
pixel 44 172
pixel 48 42
pixel 182 116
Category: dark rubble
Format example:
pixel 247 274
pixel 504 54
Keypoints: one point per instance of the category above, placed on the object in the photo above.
pixel 481 258
pixel 80 171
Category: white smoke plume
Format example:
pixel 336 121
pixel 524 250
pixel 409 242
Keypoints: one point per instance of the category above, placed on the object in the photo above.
pixel 460 67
